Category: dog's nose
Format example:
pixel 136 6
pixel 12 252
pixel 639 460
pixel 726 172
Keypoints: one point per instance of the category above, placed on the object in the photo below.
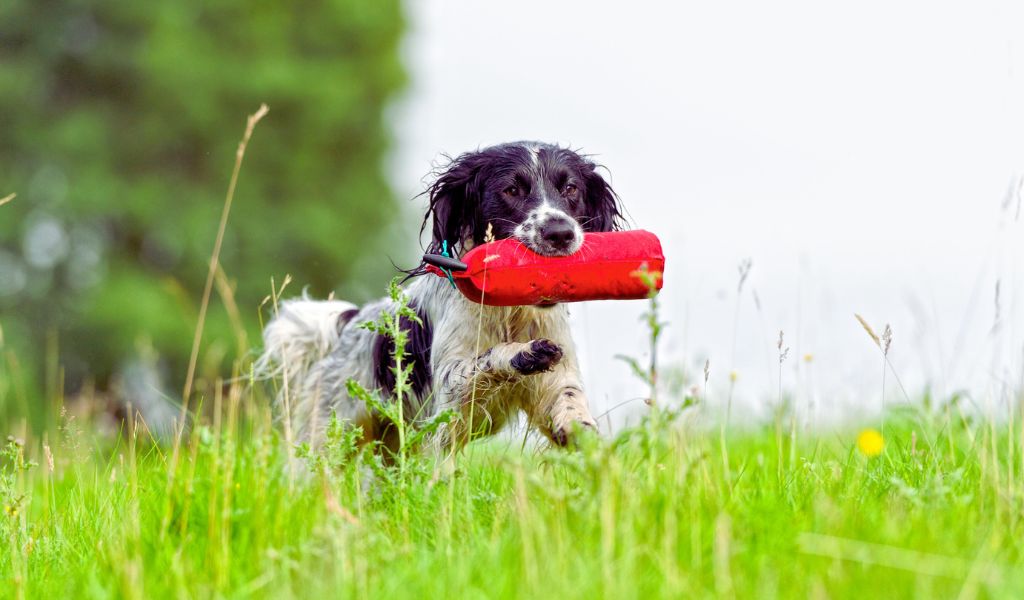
pixel 560 233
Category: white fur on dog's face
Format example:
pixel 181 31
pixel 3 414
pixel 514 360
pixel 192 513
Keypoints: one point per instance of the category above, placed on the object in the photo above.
pixel 548 229
pixel 536 231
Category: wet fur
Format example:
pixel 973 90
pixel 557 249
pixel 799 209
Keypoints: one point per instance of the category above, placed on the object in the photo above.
pixel 485 363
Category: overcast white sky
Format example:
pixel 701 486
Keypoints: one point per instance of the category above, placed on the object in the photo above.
pixel 860 154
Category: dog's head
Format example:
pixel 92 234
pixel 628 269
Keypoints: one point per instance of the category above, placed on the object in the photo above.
pixel 543 195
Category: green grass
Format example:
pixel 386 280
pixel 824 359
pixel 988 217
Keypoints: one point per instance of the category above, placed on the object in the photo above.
pixel 652 512
pixel 675 507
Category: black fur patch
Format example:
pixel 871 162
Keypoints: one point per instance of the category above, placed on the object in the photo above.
pixel 417 351
pixel 345 317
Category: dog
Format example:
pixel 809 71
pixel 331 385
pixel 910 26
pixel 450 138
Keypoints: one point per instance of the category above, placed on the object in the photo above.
pixel 487 364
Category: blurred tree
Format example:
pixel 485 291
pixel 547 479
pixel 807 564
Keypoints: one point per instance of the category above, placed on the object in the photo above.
pixel 118 127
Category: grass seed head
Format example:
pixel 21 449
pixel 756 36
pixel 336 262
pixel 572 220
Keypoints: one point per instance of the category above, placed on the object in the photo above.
pixel 869 330
pixel 744 270
pixel 998 308
pixel 783 353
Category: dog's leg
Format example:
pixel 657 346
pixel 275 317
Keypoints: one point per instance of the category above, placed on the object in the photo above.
pixel 469 386
pixel 559 407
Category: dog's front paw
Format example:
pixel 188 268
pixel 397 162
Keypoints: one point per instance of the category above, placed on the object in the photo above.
pixel 542 355
pixel 566 434
pixel 570 417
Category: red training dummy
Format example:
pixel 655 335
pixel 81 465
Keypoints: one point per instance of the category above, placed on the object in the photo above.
pixel 507 273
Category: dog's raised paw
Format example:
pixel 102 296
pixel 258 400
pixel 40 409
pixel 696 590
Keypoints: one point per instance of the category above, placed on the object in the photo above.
pixel 541 356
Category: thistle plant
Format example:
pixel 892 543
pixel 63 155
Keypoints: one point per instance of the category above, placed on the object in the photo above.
pixel 398 412
pixel 650 317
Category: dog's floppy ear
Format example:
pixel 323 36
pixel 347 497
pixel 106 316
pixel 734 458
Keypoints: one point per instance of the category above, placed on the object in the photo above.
pixel 602 202
pixel 455 196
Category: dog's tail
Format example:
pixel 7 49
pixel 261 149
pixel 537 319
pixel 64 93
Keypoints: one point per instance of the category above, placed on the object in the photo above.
pixel 301 333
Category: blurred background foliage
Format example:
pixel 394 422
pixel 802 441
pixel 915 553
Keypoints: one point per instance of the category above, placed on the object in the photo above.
pixel 119 122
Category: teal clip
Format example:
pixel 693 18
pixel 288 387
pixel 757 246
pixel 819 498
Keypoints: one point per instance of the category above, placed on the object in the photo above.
pixel 448 272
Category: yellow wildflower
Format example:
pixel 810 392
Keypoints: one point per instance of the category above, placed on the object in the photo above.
pixel 870 442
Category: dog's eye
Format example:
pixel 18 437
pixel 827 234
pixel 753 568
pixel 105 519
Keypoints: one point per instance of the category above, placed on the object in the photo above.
pixel 569 191
pixel 512 191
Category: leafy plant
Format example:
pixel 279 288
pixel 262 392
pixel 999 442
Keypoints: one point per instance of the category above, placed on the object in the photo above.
pixel 398 412
pixel 12 466
pixel 648 374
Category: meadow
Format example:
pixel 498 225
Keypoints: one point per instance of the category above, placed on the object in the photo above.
pixel 669 508
pixel 925 502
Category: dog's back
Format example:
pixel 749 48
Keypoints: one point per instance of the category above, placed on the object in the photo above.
pixel 299 336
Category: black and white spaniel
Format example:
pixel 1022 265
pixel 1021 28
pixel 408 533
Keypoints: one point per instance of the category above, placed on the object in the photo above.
pixel 486 363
